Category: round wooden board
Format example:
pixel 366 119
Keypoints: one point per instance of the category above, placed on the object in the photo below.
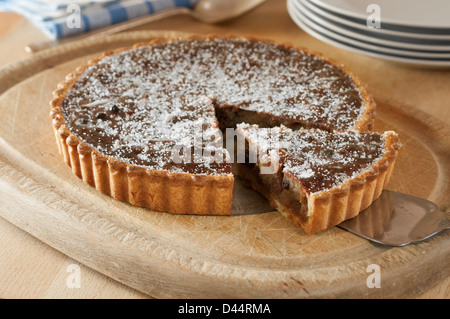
pixel 172 256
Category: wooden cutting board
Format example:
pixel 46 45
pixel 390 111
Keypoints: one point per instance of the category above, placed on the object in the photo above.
pixel 257 255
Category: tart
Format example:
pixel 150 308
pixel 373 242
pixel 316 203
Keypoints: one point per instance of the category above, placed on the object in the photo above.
pixel 315 178
pixel 128 122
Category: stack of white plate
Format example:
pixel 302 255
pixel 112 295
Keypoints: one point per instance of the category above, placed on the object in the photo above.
pixel 408 31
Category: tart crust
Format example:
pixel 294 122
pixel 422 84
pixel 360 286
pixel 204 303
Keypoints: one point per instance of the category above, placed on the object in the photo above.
pixel 330 207
pixel 183 193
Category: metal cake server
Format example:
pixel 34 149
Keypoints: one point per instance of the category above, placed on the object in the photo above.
pixel 394 219
pixel 398 219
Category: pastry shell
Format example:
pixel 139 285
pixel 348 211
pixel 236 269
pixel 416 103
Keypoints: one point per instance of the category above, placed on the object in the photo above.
pixel 178 193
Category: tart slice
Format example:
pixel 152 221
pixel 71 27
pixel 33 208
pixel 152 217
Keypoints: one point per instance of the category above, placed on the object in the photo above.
pixel 315 178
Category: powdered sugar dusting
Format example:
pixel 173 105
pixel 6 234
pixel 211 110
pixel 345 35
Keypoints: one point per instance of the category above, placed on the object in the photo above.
pixel 318 159
pixel 137 104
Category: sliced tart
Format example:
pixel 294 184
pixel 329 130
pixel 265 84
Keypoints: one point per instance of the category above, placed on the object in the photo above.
pixel 315 178
pixel 118 118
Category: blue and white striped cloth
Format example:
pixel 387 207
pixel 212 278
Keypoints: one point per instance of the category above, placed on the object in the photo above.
pixel 60 18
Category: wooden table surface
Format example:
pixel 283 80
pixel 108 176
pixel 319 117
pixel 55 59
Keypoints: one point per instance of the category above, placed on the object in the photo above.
pixel 31 269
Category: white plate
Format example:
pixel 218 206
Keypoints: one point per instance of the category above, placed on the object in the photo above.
pixel 397 47
pixel 362 25
pixel 343 44
pixel 424 14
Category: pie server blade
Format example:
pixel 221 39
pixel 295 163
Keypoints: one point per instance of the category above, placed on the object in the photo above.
pixel 398 219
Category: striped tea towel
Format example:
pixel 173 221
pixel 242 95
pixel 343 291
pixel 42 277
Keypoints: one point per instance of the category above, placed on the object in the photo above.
pixel 60 18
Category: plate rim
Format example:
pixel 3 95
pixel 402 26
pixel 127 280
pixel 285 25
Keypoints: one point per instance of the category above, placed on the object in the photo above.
pixel 389 23
pixel 363 25
pixel 359 50
pixel 389 45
